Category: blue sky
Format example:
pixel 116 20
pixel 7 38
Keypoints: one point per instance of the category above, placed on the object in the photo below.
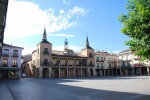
pixel 72 19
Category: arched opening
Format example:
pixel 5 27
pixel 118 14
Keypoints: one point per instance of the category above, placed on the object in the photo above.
pixel 91 70
pixel 45 73
pixel 56 73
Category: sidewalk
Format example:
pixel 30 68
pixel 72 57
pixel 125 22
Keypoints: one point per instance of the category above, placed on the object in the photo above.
pixel 4 92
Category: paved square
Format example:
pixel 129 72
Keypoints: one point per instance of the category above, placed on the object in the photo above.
pixel 87 88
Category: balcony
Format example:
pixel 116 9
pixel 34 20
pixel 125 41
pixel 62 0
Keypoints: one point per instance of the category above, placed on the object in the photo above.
pixel 99 67
pixel 90 56
pixel 91 65
pixel 84 65
pixel 56 64
pixel 5 54
pixel 4 65
pixel 14 65
pixel 46 52
pixel 15 55
pixel 114 61
pixel 100 60
pixel 45 64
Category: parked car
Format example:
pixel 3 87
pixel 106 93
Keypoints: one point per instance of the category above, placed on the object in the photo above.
pixel 24 75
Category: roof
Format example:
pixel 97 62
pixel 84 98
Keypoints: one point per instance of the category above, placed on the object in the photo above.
pixel 87 47
pixel 125 51
pixel 74 56
pixel 57 52
pixel 12 46
pixel 45 41
pixel 34 51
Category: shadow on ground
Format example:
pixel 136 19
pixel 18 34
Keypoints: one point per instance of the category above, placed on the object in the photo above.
pixel 52 89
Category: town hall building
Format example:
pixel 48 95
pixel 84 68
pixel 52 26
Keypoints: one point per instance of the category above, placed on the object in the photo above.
pixel 48 63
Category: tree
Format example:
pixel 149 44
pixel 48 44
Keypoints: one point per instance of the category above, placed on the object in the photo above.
pixel 136 25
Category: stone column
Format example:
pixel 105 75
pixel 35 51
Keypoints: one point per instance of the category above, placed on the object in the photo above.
pixel 50 72
pixel 74 72
pixel 140 71
pixel 108 72
pixel 132 71
pixel 81 71
pixel 120 71
pixel 116 72
pixel 104 72
pixel 19 73
pixel 67 71
pixel 147 70
pixel 126 71
pixel 59 72
pixel 100 72
pixel 40 72
pixel 112 71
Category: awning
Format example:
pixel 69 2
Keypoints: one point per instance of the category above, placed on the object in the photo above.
pixel 9 68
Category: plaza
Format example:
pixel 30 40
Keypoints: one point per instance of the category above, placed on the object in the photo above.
pixel 85 88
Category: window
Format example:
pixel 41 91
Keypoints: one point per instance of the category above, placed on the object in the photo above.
pixel 6 51
pixel 15 52
pixel 97 65
pixel 14 62
pixel 45 61
pixel 38 51
pixel 97 58
pixel 38 61
pixel 101 65
pixel 45 51
pixel 90 55
pixel 90 63
pixel 5 61
pixel 110 65
pixel 101 58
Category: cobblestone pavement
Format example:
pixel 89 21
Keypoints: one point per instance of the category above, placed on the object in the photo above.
pixel 86 88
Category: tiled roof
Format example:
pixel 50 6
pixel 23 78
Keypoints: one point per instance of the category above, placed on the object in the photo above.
pixel 57 52
pixel 125 51
pixel 11 46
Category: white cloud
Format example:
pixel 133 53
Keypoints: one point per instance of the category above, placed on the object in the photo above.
pixel 27 19
pixel 61 48
pixel 63 35
pixel 66 2
pixel 61 11
pixel 28 50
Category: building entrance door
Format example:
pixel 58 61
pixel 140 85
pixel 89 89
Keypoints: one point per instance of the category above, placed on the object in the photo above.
pixel 5 74
pixel 45 73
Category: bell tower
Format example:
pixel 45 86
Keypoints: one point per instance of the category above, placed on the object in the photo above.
pixel 65 45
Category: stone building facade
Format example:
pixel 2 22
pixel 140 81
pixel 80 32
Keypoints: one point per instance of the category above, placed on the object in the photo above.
pixel 106 64
pixel 48 63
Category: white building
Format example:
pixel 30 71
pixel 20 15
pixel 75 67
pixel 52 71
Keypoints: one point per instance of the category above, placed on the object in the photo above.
pixel 131 63
pixel 106 63
pixel 10 62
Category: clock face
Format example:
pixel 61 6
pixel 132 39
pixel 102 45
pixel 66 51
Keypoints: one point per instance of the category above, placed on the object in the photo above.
pixel 70 53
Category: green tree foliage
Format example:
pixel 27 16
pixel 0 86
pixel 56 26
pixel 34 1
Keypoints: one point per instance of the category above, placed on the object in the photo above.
pixel 136 25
